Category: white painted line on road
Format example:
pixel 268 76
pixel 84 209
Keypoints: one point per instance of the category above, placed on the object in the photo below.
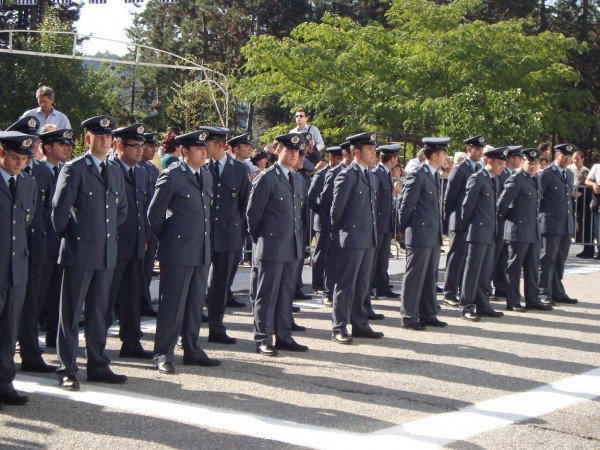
pixel 427 433
pixel 583 269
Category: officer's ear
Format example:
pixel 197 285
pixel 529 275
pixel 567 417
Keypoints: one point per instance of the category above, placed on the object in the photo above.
pixel 87 138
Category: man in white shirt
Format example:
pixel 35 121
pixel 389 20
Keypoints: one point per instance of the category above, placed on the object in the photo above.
pixel 46 112
pixel 301 116
pixel 593 180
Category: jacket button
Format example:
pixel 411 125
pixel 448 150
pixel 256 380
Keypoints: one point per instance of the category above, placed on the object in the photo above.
pixel 107 234
pixel 178 236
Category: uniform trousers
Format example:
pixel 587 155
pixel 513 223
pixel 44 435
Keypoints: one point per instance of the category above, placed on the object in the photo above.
pixel 381 263
pixel 218 287
pixel 181 299
pixel 331 263
pixel 479 268
pixel 274 297
pixel 29 343
pixel 148 272
pixel 352 285
pixel 455 262
pixel 11 304
pixel 419 297
pixel 555 249
pixel 92 288
pixel 127 287
pixel 318 261
pixel 526 256
pixel 501 258
pixel 51 286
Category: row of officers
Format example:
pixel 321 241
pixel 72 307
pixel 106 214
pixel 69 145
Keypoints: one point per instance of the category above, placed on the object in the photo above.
pixel 88 225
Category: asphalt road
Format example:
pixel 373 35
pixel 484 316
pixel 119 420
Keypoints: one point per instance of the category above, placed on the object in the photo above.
pixel 512 382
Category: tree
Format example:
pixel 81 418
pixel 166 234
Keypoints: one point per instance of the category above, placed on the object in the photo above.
pixel 401 80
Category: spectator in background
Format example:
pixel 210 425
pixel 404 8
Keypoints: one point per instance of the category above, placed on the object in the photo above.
pixel 581 205
pixel 446 168
pixel 302 117
pixel 171 132
pixel 172 151
pixel 546 150
pixel 46 113
pixel 543 163
pixel 593 181
pixel 459 157
pixel 259 159
pixel 414 164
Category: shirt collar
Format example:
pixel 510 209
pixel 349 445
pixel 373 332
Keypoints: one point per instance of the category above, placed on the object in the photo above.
pixel 384 167
pixel 361 167
pixel 222 161
pixel 97 161
pixel 430 168
pixel 5 176
pixel 283 169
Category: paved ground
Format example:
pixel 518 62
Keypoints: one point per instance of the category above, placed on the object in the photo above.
pixel 502 383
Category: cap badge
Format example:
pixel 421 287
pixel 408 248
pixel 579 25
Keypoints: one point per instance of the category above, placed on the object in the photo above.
pixel 309 137
pixel 505 152
pixel 104 122
pixel 202 136
pixel 26 143
pixel 140 129
pixel 68 135
pixel 31 123
pixel 294 140
pixel 373 137
pixel 532 153
pixel 482 140
pixel 569 148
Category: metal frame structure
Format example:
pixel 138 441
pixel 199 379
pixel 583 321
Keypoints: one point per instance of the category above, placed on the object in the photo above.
pixel 209 76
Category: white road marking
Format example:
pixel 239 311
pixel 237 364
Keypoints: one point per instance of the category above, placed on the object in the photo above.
pixel 430 432
pixel 583 269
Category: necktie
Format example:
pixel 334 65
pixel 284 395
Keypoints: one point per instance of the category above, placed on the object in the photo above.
pixel 291 179
pixel 198 179
pixel 367 176
pixel 217 166
pixel 104 173
pixel 27 169
pixel 12 187
pixel 564 174
pixel 131 174
pixel 56 171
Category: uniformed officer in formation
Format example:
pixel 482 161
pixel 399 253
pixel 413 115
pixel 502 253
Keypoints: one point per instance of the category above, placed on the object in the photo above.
pixel 150 255
pixel 179 215
pixel 558 226
pixel 385 220
pixel 420 223
pixel 133 237
pixel 518 209
pixel 478 219
pixel 89 204
pixel 353 223
pixel 453 200
pixel 274 224
pixel 18 197
pixel 231 188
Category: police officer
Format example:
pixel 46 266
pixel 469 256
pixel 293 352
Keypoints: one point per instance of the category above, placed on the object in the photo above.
pixel 126 287
pixel 453 200
pixel 185 190
pixel 556 217
pixel 150 255
pixel 478 218
pixel 353 224
pixel 385 205
pixel 56 148
pixel 518 209
pixel 231 188
pixel 18 196
pixel 421 225
pixel 515 158
pixel 326 200
pixel 274 224
pixel 88 205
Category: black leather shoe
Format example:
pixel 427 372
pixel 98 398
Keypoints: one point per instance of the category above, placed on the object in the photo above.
pixel 296 327
pixel 517 308
pixel 50 341
pixel 434 323
pixel 235 303
pixel 490 313
pixel 201 360
pixel 375 316
pixel 300 295
pixel 389 294
pixel 291 346
pixel 568 300
pixel 438 289
pixel 135 351
pixel 539 306
pixel 165 367
pixel 585 255
pixel 221 338
pixel 468 315
pixel 546 301
pixel 38 367
pixel 148 311
pixel 296 309
pixel 14 398
pixel 107 377
pixel 367 333
pixel 266 350
pixel 68 383
pixel 327 301
pixel 415 326
pixel 451 300
pixel 342 338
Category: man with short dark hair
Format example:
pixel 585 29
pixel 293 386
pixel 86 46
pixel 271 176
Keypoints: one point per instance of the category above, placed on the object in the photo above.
pixel 421 225
pixel 18 197
pixel 46 113
pixel 302 117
